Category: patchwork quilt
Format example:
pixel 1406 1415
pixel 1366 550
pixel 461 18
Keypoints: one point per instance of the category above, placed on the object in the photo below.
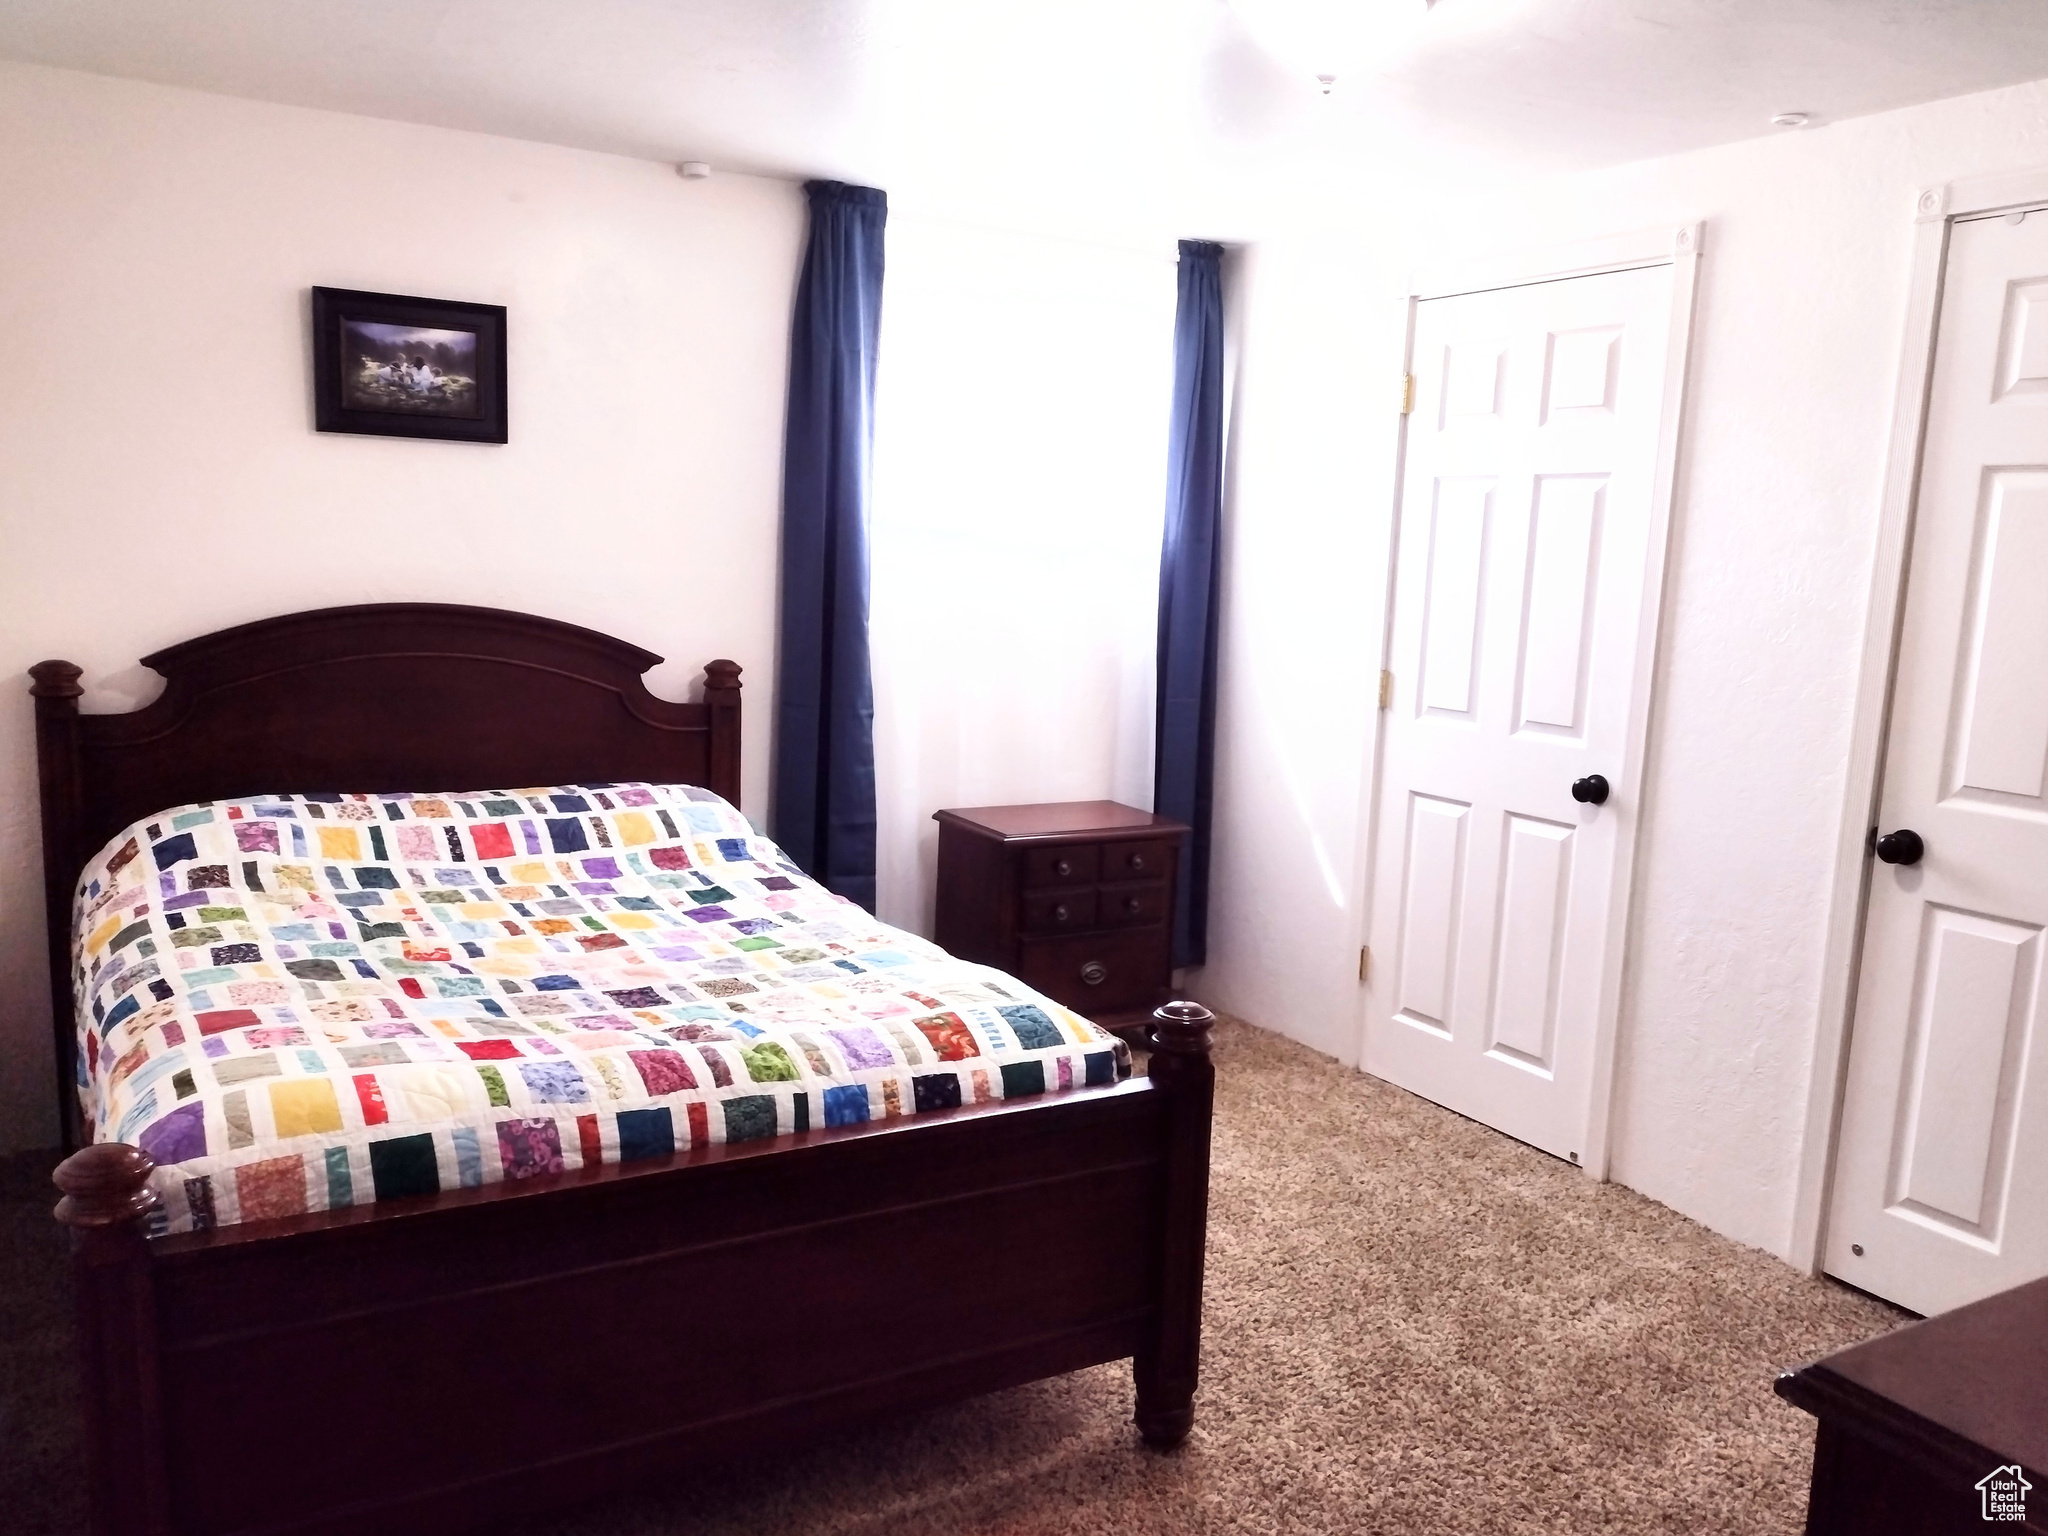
pixel 296 1003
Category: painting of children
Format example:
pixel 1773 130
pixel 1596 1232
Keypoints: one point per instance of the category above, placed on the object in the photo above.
pixel 408 368
pixel 398 365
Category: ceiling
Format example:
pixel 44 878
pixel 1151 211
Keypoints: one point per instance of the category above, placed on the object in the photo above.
pixel 1135 110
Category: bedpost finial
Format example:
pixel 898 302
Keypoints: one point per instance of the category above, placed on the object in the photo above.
pixel 1182 1029
pixel 1168 1361
pixel 56 680
pixel 104 1184
pixel 721 676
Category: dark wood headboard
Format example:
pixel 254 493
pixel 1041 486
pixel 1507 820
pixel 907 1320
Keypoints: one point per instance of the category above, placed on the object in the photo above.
pixel 377 698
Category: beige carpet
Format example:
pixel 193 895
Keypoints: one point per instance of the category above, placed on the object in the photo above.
pixel 1414 1325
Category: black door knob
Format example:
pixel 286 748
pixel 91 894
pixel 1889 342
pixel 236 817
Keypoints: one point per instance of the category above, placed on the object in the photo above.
pixel 1900 847
pixel 1591 790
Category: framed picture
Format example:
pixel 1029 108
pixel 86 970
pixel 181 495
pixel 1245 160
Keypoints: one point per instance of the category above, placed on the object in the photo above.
pixel 397 366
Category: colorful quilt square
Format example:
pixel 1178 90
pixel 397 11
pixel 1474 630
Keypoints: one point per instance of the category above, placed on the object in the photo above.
pixel 950 1037
pixel 405 1165
pixel 492 840
pixel 220 1020
pixel 177 1137
pixel 663 1072
pixel 554 1082
pixel 846 1104
pixel 175 850
pixel 1023 1078
pixel 864 1048
pixel 256 836
pixel 1034 1031
pixel 272 1188
pixel 645 1133
pixel 749 1118
pixel 304 1107
pixel 529 1147
pixel 938 1091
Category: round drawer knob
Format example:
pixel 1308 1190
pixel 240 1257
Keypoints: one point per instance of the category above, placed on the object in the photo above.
pixel 1095 973
pixel 1063 867
pixel 1137 861
pixel 1059 913
pixel 1132 904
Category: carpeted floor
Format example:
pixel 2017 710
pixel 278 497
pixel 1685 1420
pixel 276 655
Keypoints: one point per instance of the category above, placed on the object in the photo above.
pixel 1414 1324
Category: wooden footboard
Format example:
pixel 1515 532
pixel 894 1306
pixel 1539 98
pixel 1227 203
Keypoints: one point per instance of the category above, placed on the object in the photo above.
pixel 442 1362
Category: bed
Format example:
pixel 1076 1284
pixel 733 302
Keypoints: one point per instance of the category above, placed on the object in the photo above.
pixel 683 1216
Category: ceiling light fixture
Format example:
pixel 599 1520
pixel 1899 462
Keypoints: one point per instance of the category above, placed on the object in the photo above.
pixel 1790 120
pixel 1331 39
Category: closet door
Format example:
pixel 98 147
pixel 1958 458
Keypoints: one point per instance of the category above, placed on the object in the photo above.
pixel 1940 1191
pixel 1523 559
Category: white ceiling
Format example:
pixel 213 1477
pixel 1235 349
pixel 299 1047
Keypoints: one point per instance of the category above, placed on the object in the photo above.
pixel 1166 110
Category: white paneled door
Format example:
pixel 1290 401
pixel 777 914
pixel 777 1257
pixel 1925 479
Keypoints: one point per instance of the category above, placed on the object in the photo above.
pixel 1524 558
pixel 1941 1173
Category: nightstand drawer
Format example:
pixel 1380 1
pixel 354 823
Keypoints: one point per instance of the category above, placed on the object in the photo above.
pixel 1066 864
pixel 1128 906
pixel 1045 892
pixel 1149 860
pixel 1059 912
pixel 1102 973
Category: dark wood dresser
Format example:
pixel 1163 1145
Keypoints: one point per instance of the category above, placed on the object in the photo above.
pixel 1924 1430
pixel 1075 899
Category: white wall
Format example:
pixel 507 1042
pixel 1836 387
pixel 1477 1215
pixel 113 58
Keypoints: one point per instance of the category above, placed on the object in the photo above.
pixel 159 475
pixel 1801 310
pixel 1309 474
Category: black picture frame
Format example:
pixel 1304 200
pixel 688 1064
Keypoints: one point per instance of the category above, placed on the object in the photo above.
pixel 351 379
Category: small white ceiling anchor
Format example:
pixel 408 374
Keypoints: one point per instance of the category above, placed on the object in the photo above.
pixel 1791 120
pixel 1329 40
pixel 693 170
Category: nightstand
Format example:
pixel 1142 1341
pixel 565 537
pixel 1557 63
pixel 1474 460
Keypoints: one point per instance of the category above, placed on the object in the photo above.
pixel 1074 899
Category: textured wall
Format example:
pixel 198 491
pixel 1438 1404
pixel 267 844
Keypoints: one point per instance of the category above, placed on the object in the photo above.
pixel 1308 493
pixel 159 475
pixel 1802 304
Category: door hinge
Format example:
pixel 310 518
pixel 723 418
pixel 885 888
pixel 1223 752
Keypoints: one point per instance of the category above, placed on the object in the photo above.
pixel 1364 962
pixel 1407 393
pixel 1386 689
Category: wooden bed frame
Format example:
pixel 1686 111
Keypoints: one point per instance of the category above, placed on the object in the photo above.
pixel 445 1361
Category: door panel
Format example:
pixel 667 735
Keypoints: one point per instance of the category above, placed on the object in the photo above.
pixel 1557 638
pixel 1472 379
pixel 1520 574
pixel 1968 1034
pixel 1940 1191
pixel 1457 564
pixel 2003 719
pixel 1583 369
pixel 1429 949
pixel 1536 879
pixel 2023 339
